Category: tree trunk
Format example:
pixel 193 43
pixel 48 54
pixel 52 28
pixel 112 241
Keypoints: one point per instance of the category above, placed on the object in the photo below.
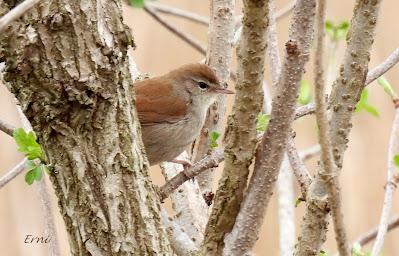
pixel 67 64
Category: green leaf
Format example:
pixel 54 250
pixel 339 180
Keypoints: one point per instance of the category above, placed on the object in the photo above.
pixel 214 136
pixel 364 105
pixel 372 110
pixel 342 30
pixel 396 160
pixel 329 28
pixel 323 253
pixel 137 3
pixel 298 201
pixel 34 174
pixel 27 144
pixel 387 87
pixel 262 121
pixel 336 32
pixel 304 93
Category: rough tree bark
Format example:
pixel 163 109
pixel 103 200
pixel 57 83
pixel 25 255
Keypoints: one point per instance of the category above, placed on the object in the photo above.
pixel 67 64
pixel 345 94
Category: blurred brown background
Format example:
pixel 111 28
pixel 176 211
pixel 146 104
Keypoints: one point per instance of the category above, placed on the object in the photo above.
pixel 158 51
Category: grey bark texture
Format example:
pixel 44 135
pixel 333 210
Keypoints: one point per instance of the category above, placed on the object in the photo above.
pixel 240 138
pixel 271 149
pixel 67 64
pixel 345 94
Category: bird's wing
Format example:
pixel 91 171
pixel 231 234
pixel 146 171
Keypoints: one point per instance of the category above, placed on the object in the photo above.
pixel 155 103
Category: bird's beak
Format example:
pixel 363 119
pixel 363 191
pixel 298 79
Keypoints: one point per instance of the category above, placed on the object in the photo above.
pixel 223 91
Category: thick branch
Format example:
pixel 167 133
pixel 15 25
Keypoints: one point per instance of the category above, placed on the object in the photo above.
pixel 70 73
pixel 329 174
pixel 271 150
pixel 346 92
pixel 240 137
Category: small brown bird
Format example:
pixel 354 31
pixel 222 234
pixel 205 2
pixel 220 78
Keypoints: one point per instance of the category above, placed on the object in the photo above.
pixel 172 109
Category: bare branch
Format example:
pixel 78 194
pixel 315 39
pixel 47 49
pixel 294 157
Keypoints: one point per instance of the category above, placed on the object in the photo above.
pixel 390 187
pixel 309 152
pixel 185 37
pixel 271 150
pixel 381 69
pixel 218 57
pixel 372 75
pixel 16 13
pixel 188 204
pixel 14 172
pixel 240 137
pixel 285 10
pixel 167 9
pixel 299 168
pixel 285 188
pixel 6 128
pixel 328 172
pixel 207 162
pixel 372 234
pixel 345 94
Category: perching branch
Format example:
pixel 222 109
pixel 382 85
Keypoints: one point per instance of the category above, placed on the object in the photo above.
pixel 271 150
pixel 16 13
pixel 328 172
pixel 309 152
pixel 185 37
pixel 6 128
pixel 218 57
pixel 390 186
pixel 240 137
pixel 345 94
pixel 207 162
pixel 167 9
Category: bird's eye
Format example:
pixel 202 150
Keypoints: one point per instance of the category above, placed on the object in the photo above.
pixel 203 85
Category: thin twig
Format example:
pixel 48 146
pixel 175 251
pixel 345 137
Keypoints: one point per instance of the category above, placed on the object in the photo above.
pixel 185 37
pixel 50 229
pixel 167 9
pixel 372 75
pixel 328 172
pixel 382 68
pixel 207 162
pixel 14 172
pixel 271 150
pixel 372 234
pixel 390 186
pixel 16 13
pixel 6 128
pixel 300 171
pixel 285 10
